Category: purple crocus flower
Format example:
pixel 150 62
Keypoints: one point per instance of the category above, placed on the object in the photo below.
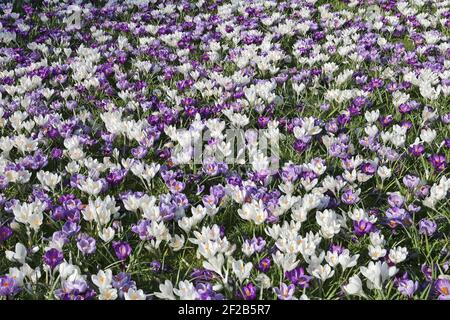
pixel 86 244
pixel 8 286
pixel 416 150
pixel 263 121
pixel 423 191
pixel 56 153
pixel 53 257
pixel 247 292
pixel 350 197
pixel 368 168
pixel 209 200
pixel 206 292
pixel 123 282
pixel 446 118
pixel 362 227
pixel 71 228
pixel 396 200
pixel 155 266
pixel 300 145
pixel 427 227
pixel 397 216
pixel 258 244
pixel 411 182
pixel 75 290
pixel 60 237
pixel 285 292
pixel 58 213
pixel 407 287
pixel 427 272
pixel 202 274
pixel 142 229
pixel 335 248
pixel 115 177
pixel 5 233
pixel 264 264
pixel 121 249
pixel 414 208
pixel 3 182
pixel 438 161
pixel 447 143
pixel 442 287
pixel 386 120
pixel 298 277
pixel 176 186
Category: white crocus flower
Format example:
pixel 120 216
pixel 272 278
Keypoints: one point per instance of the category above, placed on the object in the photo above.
pixel 241 270
pixel 215 264
pixel 102 279
pixel 186 291
pixel 384 172
pixel 133 294
pixel 166 291
pixel 428 135
pixel 19 255
pixel 177 242
pixel 376 252
pixel 377 273
pixel 354 287
pixel 48 180
pixel 398 254
pixel 347 261
pixel 90 186
pixel 323 272
pixel 108 294
pixel 107 234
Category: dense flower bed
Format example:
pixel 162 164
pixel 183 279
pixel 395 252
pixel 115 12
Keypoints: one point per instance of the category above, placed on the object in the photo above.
pixel 120 177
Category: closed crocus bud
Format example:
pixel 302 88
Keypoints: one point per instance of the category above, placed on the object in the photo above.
pixel 15 226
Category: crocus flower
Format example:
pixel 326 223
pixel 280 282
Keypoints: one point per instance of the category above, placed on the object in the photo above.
pixel 427 272
pixel 285 292
pixel 362 227
pixel 442 287
pixel 350 197
pixel 75 290
pixel 410 181
pixel 438 161
pixel 71 228
pixel 121 249
pixel 5 233
pixel 155 266
pixel 264 264
pixel 247 292
pixel 417 150
pixel 427 227
pixel 122 281
pixel 86 244
pixel 53 257
pixel 408 287
pixel 8 286
pixel 298 277
pixel 396 200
